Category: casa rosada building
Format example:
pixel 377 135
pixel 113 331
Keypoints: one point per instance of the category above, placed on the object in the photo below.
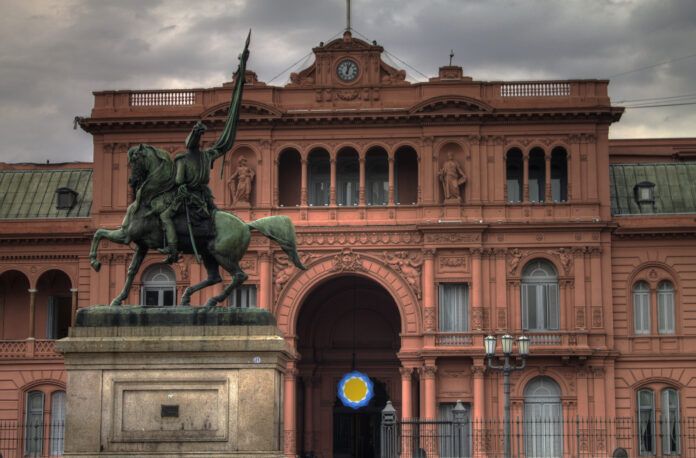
pixel 550 230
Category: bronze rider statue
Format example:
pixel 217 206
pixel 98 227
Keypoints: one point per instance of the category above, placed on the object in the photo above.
pixel 193 168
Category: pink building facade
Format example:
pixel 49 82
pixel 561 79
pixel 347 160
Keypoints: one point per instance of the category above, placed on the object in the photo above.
pixel 585 245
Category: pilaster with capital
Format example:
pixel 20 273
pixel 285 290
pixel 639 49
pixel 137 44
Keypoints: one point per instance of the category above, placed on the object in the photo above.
pixel 303 188
pixel 290 410
pixel 265 280
pixel 332 181
pixel 525 177
pixel 391 178
pixel 429 289
pixel 361 184
pixel 428 375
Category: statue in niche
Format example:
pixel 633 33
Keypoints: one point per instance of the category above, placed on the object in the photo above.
pixel 240 183
pixel 452 177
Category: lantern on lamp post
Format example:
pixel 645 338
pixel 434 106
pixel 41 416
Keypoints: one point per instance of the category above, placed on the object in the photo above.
pixel 506 342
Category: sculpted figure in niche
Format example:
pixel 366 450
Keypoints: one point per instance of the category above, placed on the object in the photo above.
pixel 452 177
pixel 240 183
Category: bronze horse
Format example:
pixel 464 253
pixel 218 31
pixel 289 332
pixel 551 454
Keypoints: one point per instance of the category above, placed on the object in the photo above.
pixel 221 238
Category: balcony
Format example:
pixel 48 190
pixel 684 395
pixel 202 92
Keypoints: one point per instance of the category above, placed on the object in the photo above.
pixel 15 350
pixel 574 342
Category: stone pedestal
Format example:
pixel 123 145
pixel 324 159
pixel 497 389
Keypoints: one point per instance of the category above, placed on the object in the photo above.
pixel 185 382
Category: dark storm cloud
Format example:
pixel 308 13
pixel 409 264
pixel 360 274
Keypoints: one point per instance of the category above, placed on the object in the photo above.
pixel 53 54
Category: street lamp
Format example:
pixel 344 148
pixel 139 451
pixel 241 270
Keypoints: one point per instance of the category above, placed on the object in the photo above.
pixel 523 349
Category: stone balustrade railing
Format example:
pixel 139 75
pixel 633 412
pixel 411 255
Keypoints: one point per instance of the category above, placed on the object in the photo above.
pixel 28 349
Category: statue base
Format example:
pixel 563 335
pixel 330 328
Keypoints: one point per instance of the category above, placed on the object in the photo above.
pixel 174 381
pixel 242 205
pixel 453 201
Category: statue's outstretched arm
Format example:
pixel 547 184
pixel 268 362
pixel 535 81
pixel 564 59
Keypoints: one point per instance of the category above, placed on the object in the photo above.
pixel 226 140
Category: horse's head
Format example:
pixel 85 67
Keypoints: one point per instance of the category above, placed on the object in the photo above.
pixel 138 165
pixel 194 138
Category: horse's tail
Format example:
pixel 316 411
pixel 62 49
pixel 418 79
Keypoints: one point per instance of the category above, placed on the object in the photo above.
pixel 280 229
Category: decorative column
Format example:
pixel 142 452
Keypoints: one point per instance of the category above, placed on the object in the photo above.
pixel 276 181
pixel 477 370
pixel 525 177
pixel 308 414
pixel 476 289
pixel 361 185
pixel 332 185
pixel 289 411
pixel 391 179
pixel 547 178
pixel 406 392
pixel 503 313
pixel 303 188
pixel 265 281
pixel 32 312
pixel 428 372
pixel 73 310
pixel 429 290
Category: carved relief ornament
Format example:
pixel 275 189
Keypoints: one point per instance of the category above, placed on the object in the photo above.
pixel 409 265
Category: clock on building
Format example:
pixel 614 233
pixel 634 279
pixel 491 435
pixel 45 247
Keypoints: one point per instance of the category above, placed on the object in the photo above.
pixel 347 70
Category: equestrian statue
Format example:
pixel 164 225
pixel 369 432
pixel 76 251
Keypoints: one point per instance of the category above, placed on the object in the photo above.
pixel 174 212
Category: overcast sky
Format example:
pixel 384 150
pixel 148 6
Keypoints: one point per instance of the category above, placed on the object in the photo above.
pixel 54 53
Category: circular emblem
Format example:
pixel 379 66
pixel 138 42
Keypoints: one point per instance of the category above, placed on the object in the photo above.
pixel 347 70
pixel 355 390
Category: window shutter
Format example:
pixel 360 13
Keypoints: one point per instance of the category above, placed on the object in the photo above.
pixel 552 307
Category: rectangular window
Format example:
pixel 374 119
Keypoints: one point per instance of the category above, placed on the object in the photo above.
pixel 57 437
pixel 33 429
pixel 670 422
pixel 641 312
pixel 540 307
pixel 646 422
pixel 454 307
pixel 513 190
pixel 455 436
pixel 665 310
pixel 243 297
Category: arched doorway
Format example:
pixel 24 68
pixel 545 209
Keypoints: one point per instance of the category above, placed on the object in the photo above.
pixel 543 435
pixel 53 305
pixel 14 306
pixel 346 323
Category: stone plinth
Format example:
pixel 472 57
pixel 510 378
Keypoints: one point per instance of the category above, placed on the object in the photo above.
pixel 178 381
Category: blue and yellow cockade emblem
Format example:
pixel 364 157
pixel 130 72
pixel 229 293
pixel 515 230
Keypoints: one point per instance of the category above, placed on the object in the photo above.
pixel 355 390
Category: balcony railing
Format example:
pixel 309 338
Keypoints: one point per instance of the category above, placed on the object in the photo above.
pixel 171 98
pixel 535 89
pixel 539 340
pixel 27 349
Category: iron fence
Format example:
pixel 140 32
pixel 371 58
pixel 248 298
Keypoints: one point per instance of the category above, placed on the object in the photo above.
pixel 35 440
pixel 540 438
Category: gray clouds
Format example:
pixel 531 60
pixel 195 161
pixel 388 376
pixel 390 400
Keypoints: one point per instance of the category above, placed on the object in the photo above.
pixel 53 53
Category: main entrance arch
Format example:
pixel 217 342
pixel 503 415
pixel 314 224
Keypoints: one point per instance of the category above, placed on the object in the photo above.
pixel 347 322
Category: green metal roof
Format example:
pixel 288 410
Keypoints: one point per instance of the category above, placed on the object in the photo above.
pixel 28 194
pixel 675 188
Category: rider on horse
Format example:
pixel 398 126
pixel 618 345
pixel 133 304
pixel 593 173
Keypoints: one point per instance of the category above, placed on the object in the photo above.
pixel 193 168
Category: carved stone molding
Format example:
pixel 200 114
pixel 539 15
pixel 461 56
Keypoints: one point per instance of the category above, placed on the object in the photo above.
pixel 284 270
pixel 347 261
pixel 478 371
pixel 566 257
pixel 515 256
pixel 358 238
pixel 409 265
pixel 429 318
pixel 428 372
pixel 451 237
pixel 406 372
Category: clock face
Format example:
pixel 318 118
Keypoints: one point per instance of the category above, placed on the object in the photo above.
pixel 347 70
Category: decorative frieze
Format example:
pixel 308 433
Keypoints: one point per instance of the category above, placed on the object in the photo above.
pixel 358 238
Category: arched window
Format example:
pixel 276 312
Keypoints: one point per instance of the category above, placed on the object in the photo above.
pixel 57 433
pixel 289 178
pixel 641 308
pixel 159 286
pixel 537 175
pixel 665 308
pixel 669 422
pixel 513 168
pixel 559 175
pixel 347 177
pixel 376 177
pixel 406 176
pixel 33 424
pixel 543 418
pixel 540 305
pixel 646 422
pixel 319 178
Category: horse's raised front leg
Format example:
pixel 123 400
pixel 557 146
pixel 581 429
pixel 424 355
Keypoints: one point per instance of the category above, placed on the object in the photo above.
pixel 138 257
pixel 238 277
pixel 116 236
pixel 213 269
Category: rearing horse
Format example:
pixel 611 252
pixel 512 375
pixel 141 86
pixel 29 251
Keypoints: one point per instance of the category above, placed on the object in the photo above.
pixel 222 241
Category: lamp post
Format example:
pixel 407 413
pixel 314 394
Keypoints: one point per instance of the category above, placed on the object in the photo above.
pixel 507 367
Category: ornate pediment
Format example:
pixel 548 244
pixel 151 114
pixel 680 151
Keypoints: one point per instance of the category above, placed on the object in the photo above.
pixel 450 104
pixel 249 108
pixel 348 63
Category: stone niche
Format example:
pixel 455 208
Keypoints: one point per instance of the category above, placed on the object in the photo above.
pixel 182 381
